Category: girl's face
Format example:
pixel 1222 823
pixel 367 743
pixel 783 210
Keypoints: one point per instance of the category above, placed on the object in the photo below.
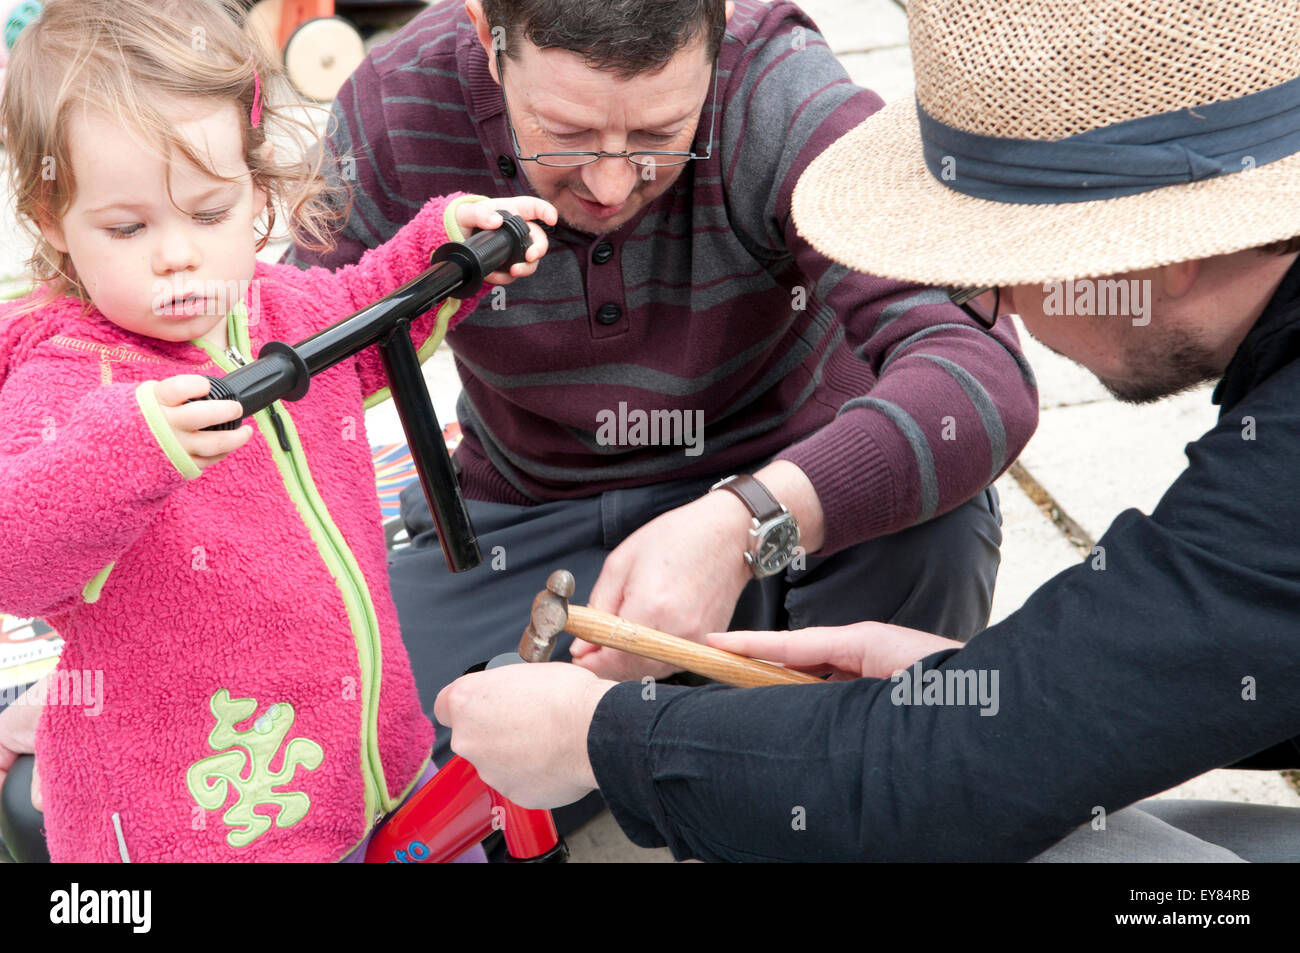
pixel 152 267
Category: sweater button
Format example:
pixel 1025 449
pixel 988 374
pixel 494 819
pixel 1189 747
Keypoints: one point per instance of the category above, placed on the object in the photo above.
pixel 507 166
pixel 609 314
pixel 602 253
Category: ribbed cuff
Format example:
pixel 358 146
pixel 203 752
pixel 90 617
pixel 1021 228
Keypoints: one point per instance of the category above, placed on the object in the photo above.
pixel 856 487
pixel 452 227
pixel 163 433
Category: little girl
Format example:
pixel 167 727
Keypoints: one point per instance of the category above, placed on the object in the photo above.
pixel 257 702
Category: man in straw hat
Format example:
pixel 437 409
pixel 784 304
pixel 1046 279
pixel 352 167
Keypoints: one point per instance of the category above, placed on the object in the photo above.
pixel 1052 145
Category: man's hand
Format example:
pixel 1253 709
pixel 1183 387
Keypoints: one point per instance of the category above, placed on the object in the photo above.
pixel 871 649
pixel 680 573
pixel 18 732
pixel 683 572
pixel 472 216
pixel 524 728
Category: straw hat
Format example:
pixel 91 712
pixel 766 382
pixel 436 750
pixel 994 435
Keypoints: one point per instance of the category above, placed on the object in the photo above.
pixel 1024 87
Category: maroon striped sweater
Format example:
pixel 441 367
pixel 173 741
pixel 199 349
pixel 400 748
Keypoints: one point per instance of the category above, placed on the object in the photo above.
pixel 895 404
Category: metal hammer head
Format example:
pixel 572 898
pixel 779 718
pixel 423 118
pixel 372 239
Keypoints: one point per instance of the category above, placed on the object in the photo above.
pixel 549 616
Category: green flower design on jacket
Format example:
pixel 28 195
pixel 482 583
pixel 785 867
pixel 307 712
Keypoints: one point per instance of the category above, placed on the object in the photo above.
pixel 210 779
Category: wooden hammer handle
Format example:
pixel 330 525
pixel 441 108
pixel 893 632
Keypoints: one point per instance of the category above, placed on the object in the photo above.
pixel 602 628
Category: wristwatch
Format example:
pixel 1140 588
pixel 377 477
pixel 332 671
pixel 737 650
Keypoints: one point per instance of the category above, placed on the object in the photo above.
pixel 774 535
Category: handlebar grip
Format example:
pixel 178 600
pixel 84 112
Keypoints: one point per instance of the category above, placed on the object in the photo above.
pixel 486 251
pixel 20 823
pixel 279 373
pixel 504 246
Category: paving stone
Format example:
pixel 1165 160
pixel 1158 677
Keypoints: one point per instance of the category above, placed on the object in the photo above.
pixel 887 73
pixel 1101 458
pixel 1256 787
pixel 1033 550
pixel 858 25
pixel 602 841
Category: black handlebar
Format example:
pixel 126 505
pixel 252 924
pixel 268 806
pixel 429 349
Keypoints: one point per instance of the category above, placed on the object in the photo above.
pixel 283 371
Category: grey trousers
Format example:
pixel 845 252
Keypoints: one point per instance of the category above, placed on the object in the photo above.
pixel 937 576
pixel 1174 830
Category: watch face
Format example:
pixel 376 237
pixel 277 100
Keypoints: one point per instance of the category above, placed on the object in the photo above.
pixel 777 545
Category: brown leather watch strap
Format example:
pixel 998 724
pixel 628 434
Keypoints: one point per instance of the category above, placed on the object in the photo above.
pixel 754 495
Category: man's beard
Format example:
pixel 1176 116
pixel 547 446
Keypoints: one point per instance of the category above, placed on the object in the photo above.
pixel 1168 362
pixel 1181 364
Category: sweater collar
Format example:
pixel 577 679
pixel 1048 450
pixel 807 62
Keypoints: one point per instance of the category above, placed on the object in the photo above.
pixel 1273 342
pixel 485 99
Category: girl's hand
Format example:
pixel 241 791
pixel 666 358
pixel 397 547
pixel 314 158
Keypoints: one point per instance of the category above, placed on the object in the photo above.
pixel 188 420
pixel 471 216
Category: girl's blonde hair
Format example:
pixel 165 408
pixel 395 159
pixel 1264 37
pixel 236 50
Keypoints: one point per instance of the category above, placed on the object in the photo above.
pixel 119 57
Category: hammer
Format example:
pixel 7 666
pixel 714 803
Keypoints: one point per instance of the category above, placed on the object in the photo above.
pixel 552 615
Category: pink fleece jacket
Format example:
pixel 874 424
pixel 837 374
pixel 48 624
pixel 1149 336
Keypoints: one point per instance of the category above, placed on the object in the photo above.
pixel 255 700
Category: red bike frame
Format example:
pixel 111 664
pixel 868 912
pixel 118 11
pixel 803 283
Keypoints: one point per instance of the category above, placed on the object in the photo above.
pixel 454 811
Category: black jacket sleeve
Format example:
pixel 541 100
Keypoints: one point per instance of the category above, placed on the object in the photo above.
pixel 1181 655
pixel 1283 757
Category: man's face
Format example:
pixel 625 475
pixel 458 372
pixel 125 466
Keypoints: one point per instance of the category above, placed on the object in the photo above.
pixel 1141 352
pixel 559 104
pixel 156 268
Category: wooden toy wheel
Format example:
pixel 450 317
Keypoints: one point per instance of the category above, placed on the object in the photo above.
pixel 321 54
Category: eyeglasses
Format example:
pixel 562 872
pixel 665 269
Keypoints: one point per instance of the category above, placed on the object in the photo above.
pixel 645 159
pixel 968 300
